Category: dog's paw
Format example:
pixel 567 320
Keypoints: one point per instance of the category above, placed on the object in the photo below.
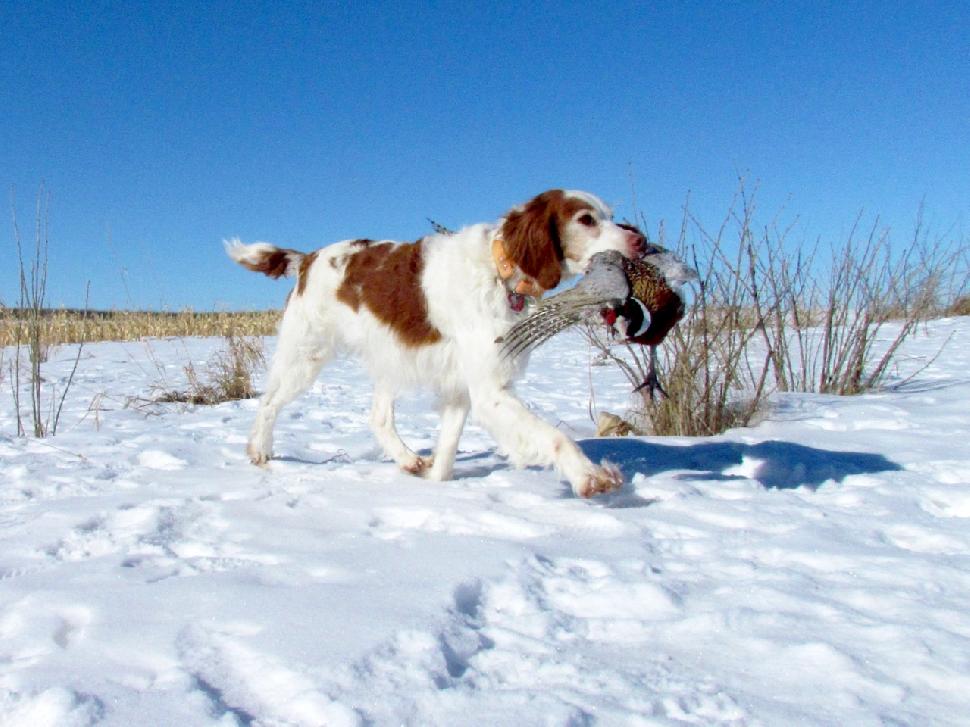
pixel 602 479
pixel 419 466
pixel 257 456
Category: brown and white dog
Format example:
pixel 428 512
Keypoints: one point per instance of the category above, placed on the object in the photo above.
pixel 427 314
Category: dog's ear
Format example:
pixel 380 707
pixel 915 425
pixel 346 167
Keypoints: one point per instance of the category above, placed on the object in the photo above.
pixel 532 239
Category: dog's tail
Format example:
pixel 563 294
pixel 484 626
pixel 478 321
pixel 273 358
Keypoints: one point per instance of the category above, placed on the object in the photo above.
pixel 261 257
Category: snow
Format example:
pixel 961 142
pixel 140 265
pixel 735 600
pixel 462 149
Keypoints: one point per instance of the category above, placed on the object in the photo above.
pixel 814 569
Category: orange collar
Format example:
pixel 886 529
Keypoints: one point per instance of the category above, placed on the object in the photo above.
pixel 524 285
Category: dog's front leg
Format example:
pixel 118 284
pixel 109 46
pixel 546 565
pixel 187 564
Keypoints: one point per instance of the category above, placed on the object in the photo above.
pixel 453 415
pixel 529 440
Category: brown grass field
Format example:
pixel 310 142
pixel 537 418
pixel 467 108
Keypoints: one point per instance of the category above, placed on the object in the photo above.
pixel 73 326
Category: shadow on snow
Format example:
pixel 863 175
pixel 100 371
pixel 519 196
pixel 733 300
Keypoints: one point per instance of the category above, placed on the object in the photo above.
pixel 775 464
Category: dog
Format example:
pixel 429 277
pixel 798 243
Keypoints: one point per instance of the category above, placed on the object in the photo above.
pixel 429 314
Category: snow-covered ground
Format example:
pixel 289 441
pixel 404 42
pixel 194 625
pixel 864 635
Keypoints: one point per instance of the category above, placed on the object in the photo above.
pixel 814 569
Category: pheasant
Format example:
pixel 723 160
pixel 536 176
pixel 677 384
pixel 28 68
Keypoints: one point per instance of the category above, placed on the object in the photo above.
pixel 638 299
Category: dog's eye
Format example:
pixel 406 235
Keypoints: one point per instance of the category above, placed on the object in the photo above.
pixel 587 220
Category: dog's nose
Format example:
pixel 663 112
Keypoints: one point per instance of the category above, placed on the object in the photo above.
pixel 637 244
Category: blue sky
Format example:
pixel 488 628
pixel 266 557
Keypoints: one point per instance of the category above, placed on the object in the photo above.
pixel 160 128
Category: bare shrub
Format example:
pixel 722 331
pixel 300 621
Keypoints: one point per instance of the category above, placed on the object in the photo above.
pixel 771 316
pixel 823 330
pixel 710 383
pixel 29 332
pixel 227 377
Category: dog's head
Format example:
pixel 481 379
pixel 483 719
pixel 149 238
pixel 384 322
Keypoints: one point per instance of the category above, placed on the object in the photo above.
pixel 559 231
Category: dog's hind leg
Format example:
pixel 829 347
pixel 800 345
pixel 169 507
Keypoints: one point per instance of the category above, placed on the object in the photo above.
pixel 382 424
pixel 295 367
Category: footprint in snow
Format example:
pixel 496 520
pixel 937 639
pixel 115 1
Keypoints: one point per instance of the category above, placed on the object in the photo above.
pixel 158 460
pixel 390 523
pixel 252 686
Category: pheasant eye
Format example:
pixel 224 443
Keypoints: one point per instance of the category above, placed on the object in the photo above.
pixel 587 220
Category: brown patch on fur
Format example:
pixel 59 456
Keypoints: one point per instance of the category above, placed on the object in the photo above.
pixel 338 262
pixel 305 264
pixel 386 278
pixel 274 263
pixel 533 235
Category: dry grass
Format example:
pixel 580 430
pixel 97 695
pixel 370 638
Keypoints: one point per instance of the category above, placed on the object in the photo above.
pixel 227 377
pixel 75 326
pixel 959 307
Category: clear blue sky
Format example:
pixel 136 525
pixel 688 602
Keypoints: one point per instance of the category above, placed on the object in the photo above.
pixel 160 128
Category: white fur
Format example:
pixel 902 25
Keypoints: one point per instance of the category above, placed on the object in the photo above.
pixel 468 303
